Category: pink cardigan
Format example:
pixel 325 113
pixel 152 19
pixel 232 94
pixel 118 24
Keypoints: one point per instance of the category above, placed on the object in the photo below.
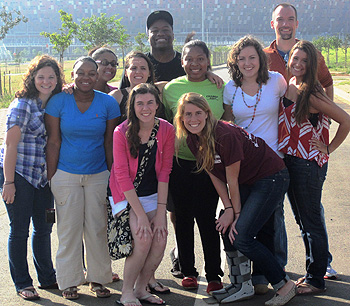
pixel 124 168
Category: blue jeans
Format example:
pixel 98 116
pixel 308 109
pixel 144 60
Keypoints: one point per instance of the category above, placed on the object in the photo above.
pixel 305 191
pixel 259 201
pixel 276 241
pixel 30 204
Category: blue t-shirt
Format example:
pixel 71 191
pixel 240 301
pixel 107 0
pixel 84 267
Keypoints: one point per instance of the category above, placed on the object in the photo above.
pixel 82 147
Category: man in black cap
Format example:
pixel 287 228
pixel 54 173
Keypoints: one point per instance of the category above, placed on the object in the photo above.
pixel 166 61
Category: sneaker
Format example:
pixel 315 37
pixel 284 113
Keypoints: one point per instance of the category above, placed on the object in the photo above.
pixel 175 270
pixel 331 273
pixel 213 286
pixel 190 282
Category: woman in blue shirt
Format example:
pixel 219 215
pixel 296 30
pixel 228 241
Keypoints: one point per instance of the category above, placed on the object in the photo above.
pixel 79 156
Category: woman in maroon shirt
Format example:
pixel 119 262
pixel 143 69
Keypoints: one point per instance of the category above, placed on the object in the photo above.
pixel 256 179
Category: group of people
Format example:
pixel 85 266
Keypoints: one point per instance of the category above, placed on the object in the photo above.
pixel 157 144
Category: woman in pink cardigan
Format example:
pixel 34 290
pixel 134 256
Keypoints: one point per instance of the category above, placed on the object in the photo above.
pixel 148 204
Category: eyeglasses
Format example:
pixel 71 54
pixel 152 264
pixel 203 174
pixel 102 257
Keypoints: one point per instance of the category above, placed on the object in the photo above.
pixel 106 63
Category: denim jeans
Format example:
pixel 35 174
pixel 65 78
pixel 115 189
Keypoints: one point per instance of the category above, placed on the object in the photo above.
pixel 30 204
pixel 259 201
pixel 305 191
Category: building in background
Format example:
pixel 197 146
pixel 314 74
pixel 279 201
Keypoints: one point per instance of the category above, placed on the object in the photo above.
pixel 224 20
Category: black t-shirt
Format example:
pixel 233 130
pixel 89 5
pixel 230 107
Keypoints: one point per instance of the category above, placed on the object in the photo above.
pixel 149 182
pixel 162 71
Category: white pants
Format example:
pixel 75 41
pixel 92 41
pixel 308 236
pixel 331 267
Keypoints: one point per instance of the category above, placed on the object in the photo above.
pixel 81 213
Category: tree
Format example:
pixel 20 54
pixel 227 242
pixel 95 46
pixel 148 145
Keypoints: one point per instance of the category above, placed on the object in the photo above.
pixel 64 38
pixel 335 43
pixel 124 43
pixel 345 46
pixel 98 31
pixel 140 38
pixel 9 21
pixel 319 43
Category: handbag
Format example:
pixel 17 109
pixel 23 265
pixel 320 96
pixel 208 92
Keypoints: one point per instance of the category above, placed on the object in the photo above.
pixel 118 229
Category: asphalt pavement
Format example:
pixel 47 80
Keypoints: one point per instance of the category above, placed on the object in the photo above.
pixel 336 201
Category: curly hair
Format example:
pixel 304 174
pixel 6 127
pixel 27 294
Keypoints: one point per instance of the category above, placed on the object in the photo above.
pixel 206 153
pixel 310 84
pixel 232 60
pixel 132 133
pixel 29 89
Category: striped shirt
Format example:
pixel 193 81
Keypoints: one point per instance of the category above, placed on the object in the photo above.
pixel 28 115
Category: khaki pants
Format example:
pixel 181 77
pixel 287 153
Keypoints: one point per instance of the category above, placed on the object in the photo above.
pixel 81 213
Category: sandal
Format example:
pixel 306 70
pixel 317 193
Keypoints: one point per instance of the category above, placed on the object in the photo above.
pixel 99 290
pixel 115 277
pixel 70 293
pixel 300 281
pixel 307 289
pixel 23 293
pixel 151 299
pixel 157 284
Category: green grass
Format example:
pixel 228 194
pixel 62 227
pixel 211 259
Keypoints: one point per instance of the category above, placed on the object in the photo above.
pixel 340 65
pixel 344 83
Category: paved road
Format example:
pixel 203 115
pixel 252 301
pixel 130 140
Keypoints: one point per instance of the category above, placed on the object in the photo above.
pixel 336 202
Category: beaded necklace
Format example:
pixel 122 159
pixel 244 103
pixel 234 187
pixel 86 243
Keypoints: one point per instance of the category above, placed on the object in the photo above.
pixel 258 97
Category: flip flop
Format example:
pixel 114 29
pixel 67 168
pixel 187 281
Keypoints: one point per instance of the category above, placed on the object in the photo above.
pixel 31 289
pixel 115 277
pixel 152 288
pixel 123 303
pixel 100 291
pixel 144 299
pixel 309 289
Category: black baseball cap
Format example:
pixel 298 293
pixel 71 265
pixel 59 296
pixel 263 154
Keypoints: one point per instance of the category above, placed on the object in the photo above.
pixel 157 15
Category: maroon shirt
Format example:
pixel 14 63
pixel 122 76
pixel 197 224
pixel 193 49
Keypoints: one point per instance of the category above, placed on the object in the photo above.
pixel 234 144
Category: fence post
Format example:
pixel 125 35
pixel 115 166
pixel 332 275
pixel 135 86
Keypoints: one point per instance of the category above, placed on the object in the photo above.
pixel 4 81
pixel 10 91
pixel 0 84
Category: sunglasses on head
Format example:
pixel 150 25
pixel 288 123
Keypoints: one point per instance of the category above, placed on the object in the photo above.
pixel 106 63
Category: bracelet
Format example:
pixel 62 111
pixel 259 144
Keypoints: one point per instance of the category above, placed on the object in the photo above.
pixel 162 203
pixel 228 207
pixel 236 213
pixel 328 150
pixel 8 183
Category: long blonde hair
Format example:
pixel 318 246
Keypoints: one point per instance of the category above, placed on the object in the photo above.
pixel 206 152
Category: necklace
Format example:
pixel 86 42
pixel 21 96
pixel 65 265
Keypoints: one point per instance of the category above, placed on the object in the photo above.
pixel 258 97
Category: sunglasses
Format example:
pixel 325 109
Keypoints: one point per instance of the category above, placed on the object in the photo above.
pixel 106 63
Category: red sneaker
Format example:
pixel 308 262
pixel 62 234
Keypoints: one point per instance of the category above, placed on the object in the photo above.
pixel 190 282
pixel 213 286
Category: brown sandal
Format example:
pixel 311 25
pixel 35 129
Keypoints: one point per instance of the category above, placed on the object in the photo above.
pixel 24 296
pixel 70 293
pixel 99 290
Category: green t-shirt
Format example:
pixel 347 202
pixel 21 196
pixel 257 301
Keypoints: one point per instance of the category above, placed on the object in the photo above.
pixel 176 88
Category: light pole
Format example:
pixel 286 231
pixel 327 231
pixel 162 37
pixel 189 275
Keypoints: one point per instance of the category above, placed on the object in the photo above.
pixel 202 20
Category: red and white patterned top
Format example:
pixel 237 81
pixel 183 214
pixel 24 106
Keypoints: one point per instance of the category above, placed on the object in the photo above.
pixel 294 139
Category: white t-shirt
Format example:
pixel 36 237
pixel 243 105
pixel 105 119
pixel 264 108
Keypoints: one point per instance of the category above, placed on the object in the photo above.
pixel 265 124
